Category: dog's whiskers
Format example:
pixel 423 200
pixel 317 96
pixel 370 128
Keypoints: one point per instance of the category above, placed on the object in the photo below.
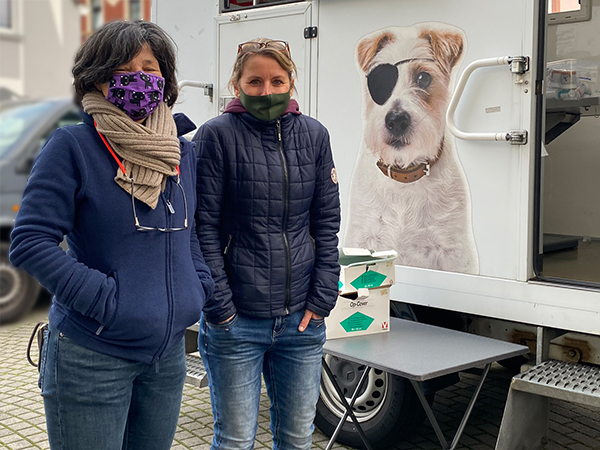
pixel 373 153
pixel 419 120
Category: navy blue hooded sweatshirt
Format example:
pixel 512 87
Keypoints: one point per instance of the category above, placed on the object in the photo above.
pixel 268 214
pixel 117 291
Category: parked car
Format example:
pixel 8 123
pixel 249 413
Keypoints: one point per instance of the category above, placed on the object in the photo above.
pixel 25 126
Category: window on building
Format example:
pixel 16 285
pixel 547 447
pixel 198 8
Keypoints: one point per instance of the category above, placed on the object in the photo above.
pixel 232 5
pixel 97 19
pixel 6 21
pixel 135 10
pixel 556 6
pixel 563 11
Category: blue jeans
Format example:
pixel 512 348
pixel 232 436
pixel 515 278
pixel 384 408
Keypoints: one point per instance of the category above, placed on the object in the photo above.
pixel 95 401
pixel 237 353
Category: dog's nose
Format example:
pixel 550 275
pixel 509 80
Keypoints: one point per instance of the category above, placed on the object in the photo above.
pixel 397 122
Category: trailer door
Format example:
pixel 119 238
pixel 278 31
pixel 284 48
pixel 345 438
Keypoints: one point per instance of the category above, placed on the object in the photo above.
pixel 394 66
pixel 286 23
pixel 449 192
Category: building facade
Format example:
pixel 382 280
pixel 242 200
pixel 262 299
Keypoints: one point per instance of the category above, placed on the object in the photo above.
pixel 95 13
pixel 39 39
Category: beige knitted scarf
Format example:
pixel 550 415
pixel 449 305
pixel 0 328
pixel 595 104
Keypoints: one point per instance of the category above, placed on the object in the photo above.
pixel 150 152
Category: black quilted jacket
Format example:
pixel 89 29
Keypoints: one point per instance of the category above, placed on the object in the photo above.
pixel 268 214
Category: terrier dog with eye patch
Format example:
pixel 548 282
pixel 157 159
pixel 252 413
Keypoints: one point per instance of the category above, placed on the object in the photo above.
pixel 408 190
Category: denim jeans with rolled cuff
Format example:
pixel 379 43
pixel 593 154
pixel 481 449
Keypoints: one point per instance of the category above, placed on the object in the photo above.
pixel 99 402
pixel 235 355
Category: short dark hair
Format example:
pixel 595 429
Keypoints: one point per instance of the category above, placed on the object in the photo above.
pixel 117 43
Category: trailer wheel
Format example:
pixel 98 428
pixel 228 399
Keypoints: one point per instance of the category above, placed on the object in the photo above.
pixel 19 291
pixel 387 408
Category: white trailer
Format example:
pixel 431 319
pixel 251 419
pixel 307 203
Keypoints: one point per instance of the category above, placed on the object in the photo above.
pixel 500 235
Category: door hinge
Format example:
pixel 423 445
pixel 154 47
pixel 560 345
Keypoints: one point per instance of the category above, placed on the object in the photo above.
pixel 310 32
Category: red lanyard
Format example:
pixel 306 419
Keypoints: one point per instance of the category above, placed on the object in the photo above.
pixel 114 155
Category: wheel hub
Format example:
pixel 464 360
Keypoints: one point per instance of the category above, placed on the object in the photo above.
pixel 347 374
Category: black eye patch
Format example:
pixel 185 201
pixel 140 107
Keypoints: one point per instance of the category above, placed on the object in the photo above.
pixel 382 80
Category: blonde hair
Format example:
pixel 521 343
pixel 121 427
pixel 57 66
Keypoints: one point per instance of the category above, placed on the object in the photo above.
pixel 283 58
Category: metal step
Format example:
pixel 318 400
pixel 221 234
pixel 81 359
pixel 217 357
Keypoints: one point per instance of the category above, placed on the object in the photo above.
pixel 562 380
pixel 196 374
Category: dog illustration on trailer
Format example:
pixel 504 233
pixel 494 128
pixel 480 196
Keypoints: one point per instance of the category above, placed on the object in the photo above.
pixel 408 189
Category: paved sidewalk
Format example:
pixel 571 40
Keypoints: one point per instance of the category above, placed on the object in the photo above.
pixel 22 423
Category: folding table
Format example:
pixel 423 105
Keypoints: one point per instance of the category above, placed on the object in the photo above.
pixel 418 352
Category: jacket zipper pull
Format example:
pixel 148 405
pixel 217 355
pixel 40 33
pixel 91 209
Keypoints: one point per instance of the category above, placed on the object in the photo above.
pixel 279 130
pixel 228 244
pixel 171 209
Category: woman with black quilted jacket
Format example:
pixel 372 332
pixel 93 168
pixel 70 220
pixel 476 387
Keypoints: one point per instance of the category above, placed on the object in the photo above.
pixel 267 219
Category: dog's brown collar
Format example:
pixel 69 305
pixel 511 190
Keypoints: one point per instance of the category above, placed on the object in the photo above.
pixel 410 174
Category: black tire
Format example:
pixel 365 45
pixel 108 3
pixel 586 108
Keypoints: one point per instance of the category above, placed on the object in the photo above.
pixel 387 408
pixel 19 291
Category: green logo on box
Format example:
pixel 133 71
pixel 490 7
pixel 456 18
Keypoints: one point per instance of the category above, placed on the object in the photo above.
pixel 369 279
pixel 356 322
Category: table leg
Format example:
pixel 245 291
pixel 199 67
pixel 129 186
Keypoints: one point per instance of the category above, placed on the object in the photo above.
pixel 463 422
pixel 347 405
pixel 432 420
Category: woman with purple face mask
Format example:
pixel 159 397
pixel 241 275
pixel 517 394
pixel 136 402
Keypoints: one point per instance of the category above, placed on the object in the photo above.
pixel 121 187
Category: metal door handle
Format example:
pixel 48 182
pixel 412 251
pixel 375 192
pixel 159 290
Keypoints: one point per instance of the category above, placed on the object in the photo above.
pixel 208 87
pixel 518 65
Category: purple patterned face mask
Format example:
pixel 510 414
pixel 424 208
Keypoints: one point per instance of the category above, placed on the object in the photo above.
pixel 137 94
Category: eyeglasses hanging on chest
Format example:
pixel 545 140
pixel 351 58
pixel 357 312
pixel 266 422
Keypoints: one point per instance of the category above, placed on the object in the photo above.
pixel 169 207
pixel 168 203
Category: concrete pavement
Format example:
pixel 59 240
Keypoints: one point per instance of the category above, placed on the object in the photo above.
pixel 22 423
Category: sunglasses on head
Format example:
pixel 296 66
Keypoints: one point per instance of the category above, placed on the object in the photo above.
pixel 382 80
pixel 281 46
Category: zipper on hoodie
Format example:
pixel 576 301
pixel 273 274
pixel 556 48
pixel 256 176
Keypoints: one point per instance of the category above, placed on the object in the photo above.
pixel 286 245
pixel 169 278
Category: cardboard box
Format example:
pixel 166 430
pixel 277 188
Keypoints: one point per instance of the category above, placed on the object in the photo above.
pixel 366 311
pixel 362 268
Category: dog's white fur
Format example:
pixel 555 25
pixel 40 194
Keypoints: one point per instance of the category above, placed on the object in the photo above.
pixel 428 222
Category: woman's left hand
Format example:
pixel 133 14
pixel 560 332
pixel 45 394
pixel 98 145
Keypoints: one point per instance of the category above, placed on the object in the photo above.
pixel 308 315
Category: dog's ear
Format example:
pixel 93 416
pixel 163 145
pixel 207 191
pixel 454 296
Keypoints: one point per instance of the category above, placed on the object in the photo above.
pixel 447 46
pixel 369 46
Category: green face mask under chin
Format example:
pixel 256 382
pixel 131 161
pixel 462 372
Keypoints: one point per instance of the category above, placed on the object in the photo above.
pixel 265 107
